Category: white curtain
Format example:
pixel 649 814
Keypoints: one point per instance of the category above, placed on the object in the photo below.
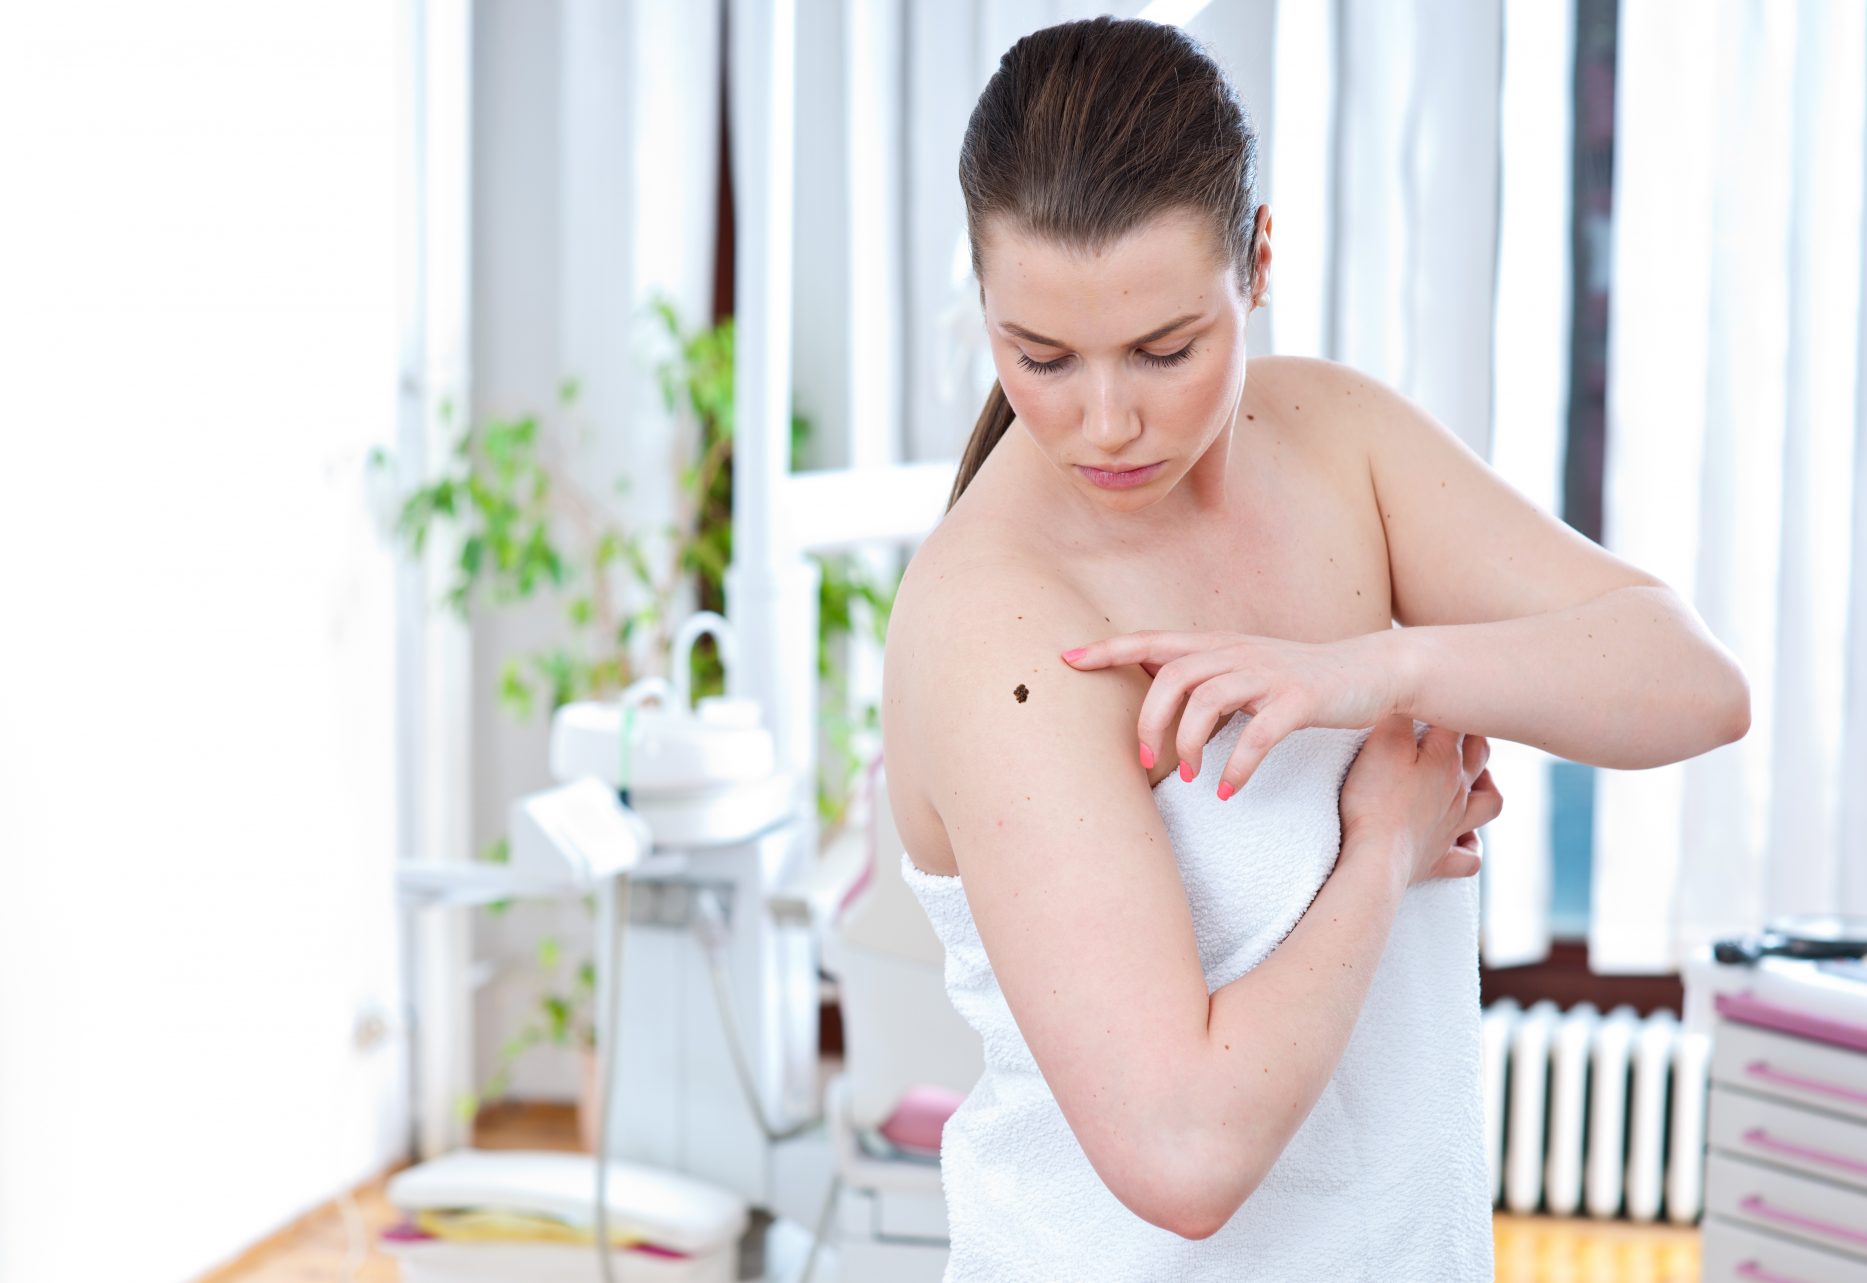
pixel 1423 179
pixel 1734 462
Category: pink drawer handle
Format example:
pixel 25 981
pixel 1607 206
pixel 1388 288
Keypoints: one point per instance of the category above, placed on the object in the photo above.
pixel 1752 1270
pixel 1754 1204
pixel 1752 1010
pixel 1761 1069
pixel 1763 1140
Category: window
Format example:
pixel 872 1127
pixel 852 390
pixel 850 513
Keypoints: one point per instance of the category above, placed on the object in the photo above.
pixel 1572 784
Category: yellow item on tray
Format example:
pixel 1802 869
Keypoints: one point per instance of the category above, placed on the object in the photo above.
pixel 498 1225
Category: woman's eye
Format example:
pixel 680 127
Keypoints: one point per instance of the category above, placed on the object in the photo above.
pixel 1041 367
pixel 1050 367
pixel 1172 358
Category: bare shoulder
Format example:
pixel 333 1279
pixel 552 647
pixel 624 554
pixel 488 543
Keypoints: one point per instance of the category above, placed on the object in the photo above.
pixel 1317 404
pixel 1309 373
pixel 1319 397
pixel 976 632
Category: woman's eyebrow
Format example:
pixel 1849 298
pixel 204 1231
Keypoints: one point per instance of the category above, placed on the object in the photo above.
pixel 1159 332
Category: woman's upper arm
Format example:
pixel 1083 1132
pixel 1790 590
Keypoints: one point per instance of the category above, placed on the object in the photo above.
pixel 1464 546
pixel 1070 877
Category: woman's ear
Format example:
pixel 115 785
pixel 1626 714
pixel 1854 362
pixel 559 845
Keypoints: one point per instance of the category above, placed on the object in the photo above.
pixel 1261 285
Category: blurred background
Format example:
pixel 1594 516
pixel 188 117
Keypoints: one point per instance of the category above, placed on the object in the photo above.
pixel 387 376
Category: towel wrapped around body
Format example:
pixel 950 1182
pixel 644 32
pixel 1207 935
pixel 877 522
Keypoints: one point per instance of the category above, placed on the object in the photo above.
pixel 1386 1179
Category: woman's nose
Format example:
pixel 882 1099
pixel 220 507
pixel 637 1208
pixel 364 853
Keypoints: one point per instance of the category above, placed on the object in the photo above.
pixel 1109 421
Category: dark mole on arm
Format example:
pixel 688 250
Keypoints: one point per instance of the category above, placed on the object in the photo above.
pixel 1021 692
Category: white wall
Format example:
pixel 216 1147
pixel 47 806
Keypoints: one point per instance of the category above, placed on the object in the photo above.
pixel 197 775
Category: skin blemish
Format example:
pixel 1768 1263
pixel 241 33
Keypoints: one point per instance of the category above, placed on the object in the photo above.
pixel 1252 417
pixel 1022 692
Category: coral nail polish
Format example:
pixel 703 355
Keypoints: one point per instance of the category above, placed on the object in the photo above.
pixel 1186 772
pixel 1147 757
pixel 1074 655
pixel 1226 790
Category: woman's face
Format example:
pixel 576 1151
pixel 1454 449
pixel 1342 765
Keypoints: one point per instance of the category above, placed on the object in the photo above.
pixel 1131 361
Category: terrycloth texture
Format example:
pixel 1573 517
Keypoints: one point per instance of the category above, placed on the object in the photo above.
pixel 1385 1180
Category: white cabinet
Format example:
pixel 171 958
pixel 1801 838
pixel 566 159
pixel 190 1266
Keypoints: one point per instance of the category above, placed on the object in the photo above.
pixel 1786 1134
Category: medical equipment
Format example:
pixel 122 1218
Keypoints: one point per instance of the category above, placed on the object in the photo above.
pixel 685 808
pixel 663 1226
pixel 1824 935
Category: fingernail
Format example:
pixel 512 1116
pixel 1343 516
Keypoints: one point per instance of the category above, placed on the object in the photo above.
pixel 1074 655
pixel 1147 757
pixel 1186 772
pixel 1225 790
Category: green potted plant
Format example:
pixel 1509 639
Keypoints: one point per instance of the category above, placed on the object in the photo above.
pixel 527 526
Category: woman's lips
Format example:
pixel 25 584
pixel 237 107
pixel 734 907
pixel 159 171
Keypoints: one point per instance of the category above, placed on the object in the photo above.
pixel 1121 480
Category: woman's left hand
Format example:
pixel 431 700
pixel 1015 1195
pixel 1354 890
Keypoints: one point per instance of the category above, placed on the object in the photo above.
pixel 1283 684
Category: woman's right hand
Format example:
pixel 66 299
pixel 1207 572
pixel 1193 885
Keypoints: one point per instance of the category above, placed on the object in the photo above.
pixel 1433 794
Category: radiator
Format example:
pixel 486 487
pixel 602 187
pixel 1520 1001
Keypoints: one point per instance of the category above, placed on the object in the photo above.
pixel 1594 1115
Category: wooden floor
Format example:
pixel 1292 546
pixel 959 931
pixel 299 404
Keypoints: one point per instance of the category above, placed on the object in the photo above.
pixel 1530 1249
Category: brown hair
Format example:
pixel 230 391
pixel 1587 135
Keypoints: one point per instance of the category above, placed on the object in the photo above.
pixel 1089 129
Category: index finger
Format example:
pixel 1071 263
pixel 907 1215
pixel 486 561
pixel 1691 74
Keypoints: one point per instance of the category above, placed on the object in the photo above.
pixel 1132 648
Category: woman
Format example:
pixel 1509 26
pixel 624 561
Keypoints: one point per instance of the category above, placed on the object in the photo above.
pixel 1230 1020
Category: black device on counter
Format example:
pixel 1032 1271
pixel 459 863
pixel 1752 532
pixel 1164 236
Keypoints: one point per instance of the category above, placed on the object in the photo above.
pixel 1812 935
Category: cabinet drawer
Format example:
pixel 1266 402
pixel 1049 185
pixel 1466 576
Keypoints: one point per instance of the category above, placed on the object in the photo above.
pixel 1798 1207
pixel 1734 1253
pixel 1790 1068
pixel 1774 1131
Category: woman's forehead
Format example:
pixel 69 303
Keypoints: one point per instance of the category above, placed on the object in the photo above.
pixel 1036 286
pixel 1123 301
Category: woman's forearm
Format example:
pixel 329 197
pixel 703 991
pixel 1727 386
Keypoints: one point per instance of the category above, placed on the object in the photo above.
pixel 1630 679
pixel 1276 1034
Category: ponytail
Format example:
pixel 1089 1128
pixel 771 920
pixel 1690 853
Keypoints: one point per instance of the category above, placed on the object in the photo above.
pixel 993 420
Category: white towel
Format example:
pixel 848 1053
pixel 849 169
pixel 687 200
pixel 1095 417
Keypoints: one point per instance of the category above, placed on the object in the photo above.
pixel 1385 1180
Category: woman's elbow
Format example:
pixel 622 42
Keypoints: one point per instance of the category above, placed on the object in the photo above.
pixel 1740 716
pixel 1193 1217
pixel 1192 1172
pixel 1198 1227
pixel 1203 1212
pixel 1196 1191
